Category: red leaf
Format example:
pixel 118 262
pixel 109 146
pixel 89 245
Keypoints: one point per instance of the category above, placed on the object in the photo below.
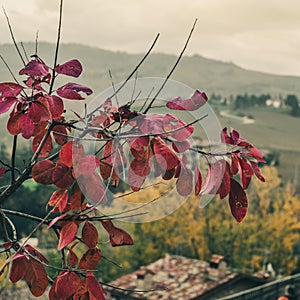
pixel 198 180
pixel 181 147
pixel 35 67
pixel 56 106
pixel 177 128
pixel 19 267
pixel 93 188
pixel 76 197
pixel 71 91
pixel 9 90
pixel 2 172
pixel 237 200
pixel 42 171
pixel 214 177
pixel 70 68
pixel 117 236
pixel 224 188
pixel 196 101
pixel 13 123
pixel 35 252
pixel 257 171
pixel 56 219
pixel 90 235
pixel 47 147
pixel 38 111
pixel 67 234
pixel 26 125
pixel 70 152
pixel 62 176
pixel 90 259
pixel 246 172
pixel 86 165
pixel 73 257
pixel 184 183
pixel 135 181
pixel 140 167
pixel 165 157
pixel 60 134
pixel 6 104
pixel 66 285
pixel 96 291
pixel 139 147
pixel 36 278
pixel 59 198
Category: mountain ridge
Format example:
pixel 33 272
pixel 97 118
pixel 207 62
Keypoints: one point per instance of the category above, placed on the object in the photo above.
pixel 199 72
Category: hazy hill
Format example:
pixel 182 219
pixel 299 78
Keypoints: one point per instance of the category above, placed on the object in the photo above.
pixel 196 71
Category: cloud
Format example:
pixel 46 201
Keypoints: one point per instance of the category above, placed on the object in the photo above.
pixel 248 32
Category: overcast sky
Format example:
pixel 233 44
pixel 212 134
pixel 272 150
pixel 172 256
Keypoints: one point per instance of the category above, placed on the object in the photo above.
pixel 255 34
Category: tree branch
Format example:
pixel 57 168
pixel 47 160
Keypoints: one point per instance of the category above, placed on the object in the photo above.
pixel 173 68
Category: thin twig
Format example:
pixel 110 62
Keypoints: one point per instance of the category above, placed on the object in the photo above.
pixel 13 159
pixel 24 50
pixel 13 37
pixel 57 46
pixel 9 70
pixel 113 86
pixel 130 75
pixel 173 68
pixel 36 42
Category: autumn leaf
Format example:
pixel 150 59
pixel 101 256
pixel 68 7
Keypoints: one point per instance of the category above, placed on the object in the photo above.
pixel 184 183
pixel 237 200
pixel 89 235
pixel 95 290
pixel 117 236
pixel 195 102
pixel 19 267
pixel 72 91
pixel 59 198
pixel 36 278
pixel 67 234
pixel 42 171
pixel 66 285
pixel 70 68
pixel 198 180
pixel 90 259
pixel 165 157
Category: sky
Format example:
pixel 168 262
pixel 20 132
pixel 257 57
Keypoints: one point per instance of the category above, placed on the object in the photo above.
pixel 261 35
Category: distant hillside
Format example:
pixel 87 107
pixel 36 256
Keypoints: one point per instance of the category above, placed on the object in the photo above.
pixel 196 71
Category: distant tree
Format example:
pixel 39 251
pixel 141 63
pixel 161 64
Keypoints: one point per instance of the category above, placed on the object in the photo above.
pixel 292 101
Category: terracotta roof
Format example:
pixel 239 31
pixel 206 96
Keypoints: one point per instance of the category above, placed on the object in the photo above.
pixel 171 277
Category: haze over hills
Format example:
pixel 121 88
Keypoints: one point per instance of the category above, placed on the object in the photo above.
pixel 209 75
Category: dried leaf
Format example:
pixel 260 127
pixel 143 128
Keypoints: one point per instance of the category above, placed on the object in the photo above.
pixel 72 91
pixel 67 234
pixel 70 68
pixel 66 285
pixel 42 171
pixel 184 183
pixel 59 198
pixel 36 278
pixel 90 235
pixel 90 259
pixel 117 236
pixel 237 200
pixel 195 102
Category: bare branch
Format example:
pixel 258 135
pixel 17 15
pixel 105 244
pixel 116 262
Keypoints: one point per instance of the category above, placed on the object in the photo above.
pixel 173 68
pixel 57 46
